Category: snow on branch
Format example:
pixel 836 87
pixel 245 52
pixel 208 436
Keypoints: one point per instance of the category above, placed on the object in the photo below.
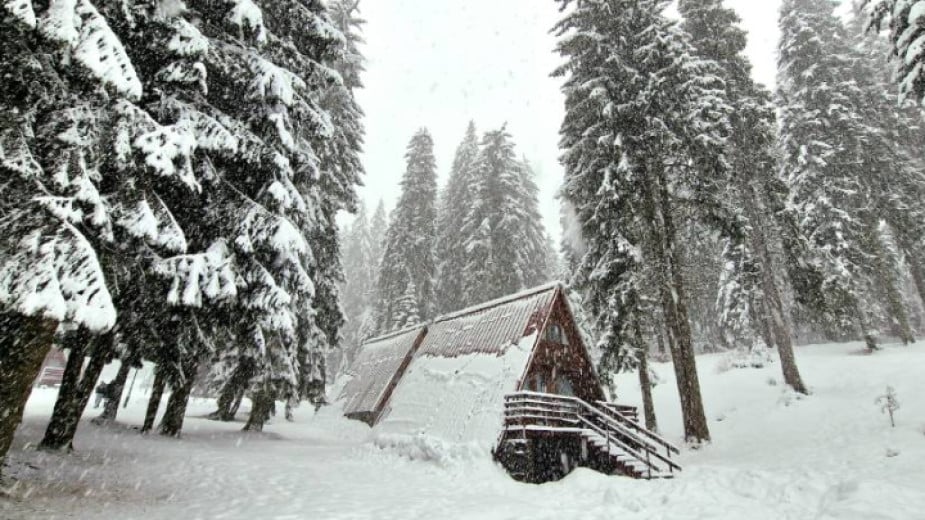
pixel 153 224
pixel 210 134
pixel 260 227
pixel 53 271
pixel 21 10
pixel 78 24
pixel 199 277
pixel 273 83
pixel 16 156
pixel 187 41
pixel 168 151
pixel 246 16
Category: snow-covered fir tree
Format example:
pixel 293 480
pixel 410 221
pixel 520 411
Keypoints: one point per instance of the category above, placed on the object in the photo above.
pixel 341 172
pixel 645 126
pixel 408 256
pixel 118 168
pixel 750 294
pixel 456 201
pixel 540 259
pixel 503 236
pixel 833 158
pixel 894 161
pixel 267 75
pixel 358 290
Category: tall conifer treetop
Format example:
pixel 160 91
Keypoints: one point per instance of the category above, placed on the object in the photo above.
pixel 408 259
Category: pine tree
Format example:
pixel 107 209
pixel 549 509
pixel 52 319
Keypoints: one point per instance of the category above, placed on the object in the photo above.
pixel 645 126
pixel 502 231
pixel 893 163
pixel 456 201
pixel 408 258
pixel 359 287
pixel 99 171
pixel 540 261
pixel 266 78
pixel 829 152
pixel 494 265
pixel 750 291
pixel 168 51
pixel 341 172
pixel 378 227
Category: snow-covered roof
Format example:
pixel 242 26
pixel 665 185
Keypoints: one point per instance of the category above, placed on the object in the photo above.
pixel 453 390
pixel 375 367
pixel 491 326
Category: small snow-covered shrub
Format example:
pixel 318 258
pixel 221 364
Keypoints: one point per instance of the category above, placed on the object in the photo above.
pixel 758 356
pixel 889 403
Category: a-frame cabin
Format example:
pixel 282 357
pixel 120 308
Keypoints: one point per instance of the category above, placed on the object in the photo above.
pixel 512 376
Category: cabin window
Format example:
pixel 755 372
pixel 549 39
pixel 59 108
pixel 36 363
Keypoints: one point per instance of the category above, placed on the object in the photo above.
pixel 538 382
pixel 564 386
pixel 555 334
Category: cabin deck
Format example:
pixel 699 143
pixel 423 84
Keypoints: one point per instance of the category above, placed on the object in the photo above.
pixel 546 436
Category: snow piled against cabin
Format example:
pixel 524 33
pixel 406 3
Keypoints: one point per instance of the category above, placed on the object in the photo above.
pixel 831 456
pixel 452 404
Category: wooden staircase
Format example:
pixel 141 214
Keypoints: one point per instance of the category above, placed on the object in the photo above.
pixel 611 439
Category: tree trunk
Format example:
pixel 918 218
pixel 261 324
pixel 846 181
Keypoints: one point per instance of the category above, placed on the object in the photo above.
pixel 886 266
pixel 238 398
pixel 645 383
pixel 70 405
pixel 674 302
pixel 896 306
pixel 172 423
pixel 777 320
pixel 230 398
pixel 24 343
pixel 776 326
pixel 111 408
pixel 154 402
pixel 261 411
pixel 761 315
pixel 660 340
pixel 918 275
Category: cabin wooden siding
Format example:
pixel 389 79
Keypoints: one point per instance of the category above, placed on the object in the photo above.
pixel 551 360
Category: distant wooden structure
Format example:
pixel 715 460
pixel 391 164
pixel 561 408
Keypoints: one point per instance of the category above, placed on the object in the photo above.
pixel 52 368
pixel 512 374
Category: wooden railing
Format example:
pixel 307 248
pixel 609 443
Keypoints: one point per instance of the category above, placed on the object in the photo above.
pixel 534 411
pixel 615 413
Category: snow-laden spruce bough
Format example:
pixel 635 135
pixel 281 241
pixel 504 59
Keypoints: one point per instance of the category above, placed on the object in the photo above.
pixel 511 377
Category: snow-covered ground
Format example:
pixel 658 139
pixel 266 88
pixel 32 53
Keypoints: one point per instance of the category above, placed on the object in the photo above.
pixel 774 456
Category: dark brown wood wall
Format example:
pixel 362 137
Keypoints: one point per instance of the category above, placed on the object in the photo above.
pixel 553 359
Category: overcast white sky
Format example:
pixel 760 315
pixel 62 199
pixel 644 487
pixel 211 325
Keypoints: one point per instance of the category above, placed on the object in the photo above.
pixel 438 64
